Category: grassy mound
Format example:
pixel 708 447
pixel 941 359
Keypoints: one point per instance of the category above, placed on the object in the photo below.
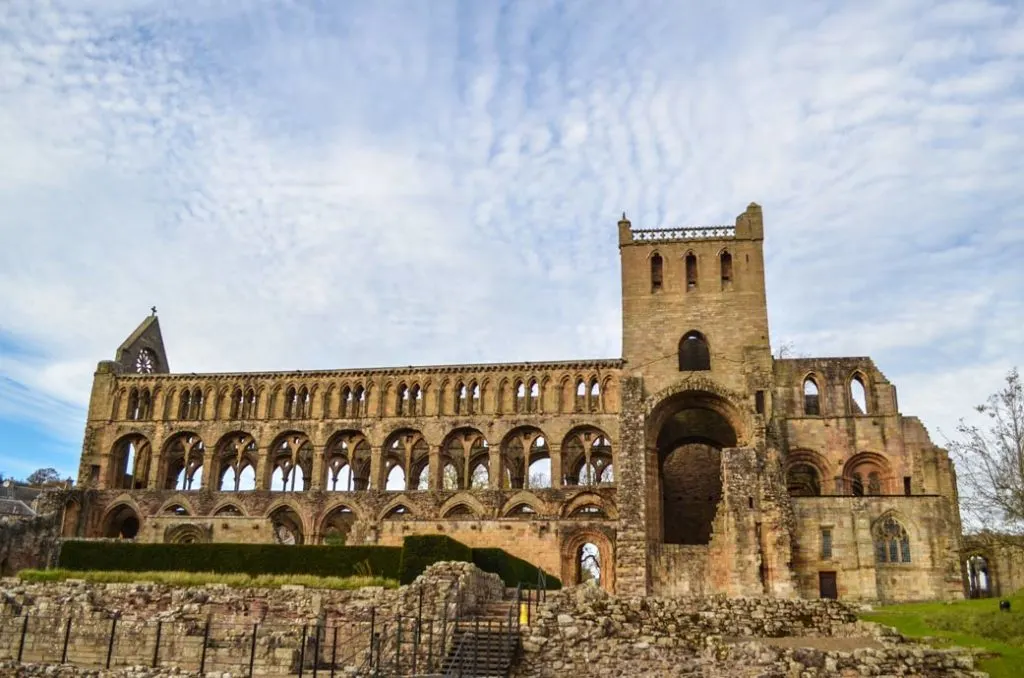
pixel 966 623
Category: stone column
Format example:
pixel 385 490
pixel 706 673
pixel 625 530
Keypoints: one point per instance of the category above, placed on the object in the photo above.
pixel 376 467
pixel 434 467
pixel 631 548
pixel 555 449
pixel 494 467
pixel 262 468
pixel 317 481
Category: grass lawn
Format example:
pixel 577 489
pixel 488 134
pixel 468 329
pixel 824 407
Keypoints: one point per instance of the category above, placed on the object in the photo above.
pixel 237 580
pixel 967 623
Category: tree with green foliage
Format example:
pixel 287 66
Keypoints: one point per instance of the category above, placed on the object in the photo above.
pixel 43 476
pixel 990 460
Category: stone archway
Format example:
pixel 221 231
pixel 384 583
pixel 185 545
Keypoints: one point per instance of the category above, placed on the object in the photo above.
pixel 121 522
pixel 582 553
pixel 686 433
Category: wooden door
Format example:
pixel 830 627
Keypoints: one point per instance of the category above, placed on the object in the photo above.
pixel 827 585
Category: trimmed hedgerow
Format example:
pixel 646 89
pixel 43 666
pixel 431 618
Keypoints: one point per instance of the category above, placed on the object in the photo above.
pixel 511 569
pixel 253 559
pixel 421 551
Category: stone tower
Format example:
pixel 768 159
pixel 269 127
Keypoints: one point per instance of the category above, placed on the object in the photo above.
pixel 695 346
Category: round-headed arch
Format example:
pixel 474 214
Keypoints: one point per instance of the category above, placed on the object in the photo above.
pixel 122 520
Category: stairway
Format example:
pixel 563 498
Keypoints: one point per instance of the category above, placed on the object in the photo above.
pixel 483 645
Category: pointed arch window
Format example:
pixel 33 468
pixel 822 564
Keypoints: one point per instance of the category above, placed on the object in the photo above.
pixel 725 266
pixel 812 402
pixel 657 278
pixel 694 354
pixel 858 395
pixel 133 404
pixel 250 405
pixel 290 403
pixel 892 543
pixel 460 398
pixel 346 402
pixel 691 271
pixel 402 400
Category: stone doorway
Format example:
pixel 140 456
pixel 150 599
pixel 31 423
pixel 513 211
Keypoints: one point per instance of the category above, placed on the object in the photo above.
pixel 687 433
pixel 827 586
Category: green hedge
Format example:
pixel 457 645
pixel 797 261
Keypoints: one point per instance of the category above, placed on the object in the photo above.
pixel 421 551
pixel 254 559
pixel 404 563
pixel 511 569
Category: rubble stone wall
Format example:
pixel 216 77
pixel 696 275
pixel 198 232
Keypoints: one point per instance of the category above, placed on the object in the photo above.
pixel 180 615
pixel 585 632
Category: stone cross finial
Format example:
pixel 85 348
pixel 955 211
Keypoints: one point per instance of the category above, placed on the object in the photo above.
pixel 153 309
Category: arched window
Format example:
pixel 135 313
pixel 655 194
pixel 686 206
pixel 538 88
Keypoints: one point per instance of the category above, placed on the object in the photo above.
pixel 581 396
pixel 812 404
pixel 858 395
pixel 694 353
pixel 304 403
pixel 251 402
pixel 520 401
pixel 145 404
pixel 691 271
pixel 595 396
pixel 803 480
pixel 402 401
pixel 290 403
pixel 133 404
pixel 184 404
pixel 892 543
pixel 460 398
pixel 474 401
pixel 533 397
pixel 857 485
pixel 358 402
pixel 346 401
pixel 237 402
pixel 656 273
pixel 725 264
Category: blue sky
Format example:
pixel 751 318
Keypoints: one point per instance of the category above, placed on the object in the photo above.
pixel 312 185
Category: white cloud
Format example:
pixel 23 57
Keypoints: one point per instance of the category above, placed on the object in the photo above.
pixel 297 187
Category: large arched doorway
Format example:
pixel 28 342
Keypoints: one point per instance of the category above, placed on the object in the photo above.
pixel 687 432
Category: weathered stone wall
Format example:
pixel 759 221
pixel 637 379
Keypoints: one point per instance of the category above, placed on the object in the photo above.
pixel 597 423
pixel 1003 560
pixel 585 632
pixel 29 542
pixel 278 616
pixel 932 572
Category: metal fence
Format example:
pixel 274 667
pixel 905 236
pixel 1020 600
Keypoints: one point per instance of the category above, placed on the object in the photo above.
pixel 447 642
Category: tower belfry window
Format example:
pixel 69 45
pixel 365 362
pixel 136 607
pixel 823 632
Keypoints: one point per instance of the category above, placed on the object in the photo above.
pixel 656 273
pixel 694 353
pixel 725 263
pixel 691 271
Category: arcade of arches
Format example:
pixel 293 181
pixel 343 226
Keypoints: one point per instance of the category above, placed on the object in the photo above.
pixel 697 463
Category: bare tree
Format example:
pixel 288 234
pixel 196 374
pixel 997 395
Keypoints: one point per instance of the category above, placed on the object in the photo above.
pixel 787 351
pixel 990 460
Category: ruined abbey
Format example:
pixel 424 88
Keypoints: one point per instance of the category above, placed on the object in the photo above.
pixel 697 463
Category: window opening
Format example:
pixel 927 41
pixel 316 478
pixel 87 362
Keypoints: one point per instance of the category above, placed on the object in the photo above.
pixel 656 273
